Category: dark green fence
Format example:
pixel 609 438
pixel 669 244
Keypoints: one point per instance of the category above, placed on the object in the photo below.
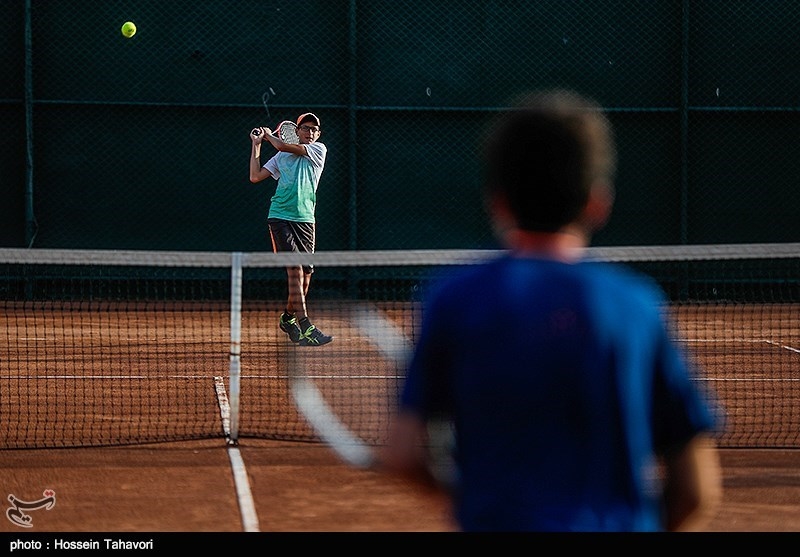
pixel 142 143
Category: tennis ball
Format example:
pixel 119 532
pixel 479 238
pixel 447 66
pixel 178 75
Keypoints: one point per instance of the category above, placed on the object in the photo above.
pixel 128 29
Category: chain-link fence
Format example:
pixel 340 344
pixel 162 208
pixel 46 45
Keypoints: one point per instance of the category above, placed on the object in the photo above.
pixel 142 143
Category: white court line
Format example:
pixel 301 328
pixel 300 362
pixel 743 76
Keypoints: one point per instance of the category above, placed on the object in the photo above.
pixel 244 496
pixel 785 347
pixel 112 377
pixel 749 341
pixel 744 340
pixel 224 405
pixel 718 340
pixel 203 377
pixel 748 379
pixel 343 376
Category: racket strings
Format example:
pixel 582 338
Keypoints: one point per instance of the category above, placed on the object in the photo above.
pixel 288 133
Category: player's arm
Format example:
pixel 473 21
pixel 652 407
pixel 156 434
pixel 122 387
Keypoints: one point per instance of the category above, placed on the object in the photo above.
pixel 693 485
pixel 405 454
pixel 257 171
pixel 280 145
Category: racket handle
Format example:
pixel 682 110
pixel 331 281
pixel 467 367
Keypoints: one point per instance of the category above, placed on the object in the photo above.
pixel 256 132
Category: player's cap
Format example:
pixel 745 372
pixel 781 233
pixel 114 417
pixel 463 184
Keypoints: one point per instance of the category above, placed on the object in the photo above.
pixel 308 117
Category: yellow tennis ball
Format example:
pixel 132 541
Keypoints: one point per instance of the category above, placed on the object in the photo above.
pixel 128 29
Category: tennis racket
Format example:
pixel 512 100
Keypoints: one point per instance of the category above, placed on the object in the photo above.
pixel 327 386
pixel 286 131
pixel 265 100
pixel 342 391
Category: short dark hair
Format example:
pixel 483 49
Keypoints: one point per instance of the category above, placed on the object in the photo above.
pixel 545 153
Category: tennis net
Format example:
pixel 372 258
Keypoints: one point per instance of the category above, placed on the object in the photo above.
pixel 127 347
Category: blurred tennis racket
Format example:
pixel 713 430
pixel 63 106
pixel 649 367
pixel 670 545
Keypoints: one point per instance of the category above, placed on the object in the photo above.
pixel 313 385
pixel 286 131
pixel 328 386
pixel 265 100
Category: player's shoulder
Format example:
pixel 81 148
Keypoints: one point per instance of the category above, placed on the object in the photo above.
pixel 317 146
pixel 621 278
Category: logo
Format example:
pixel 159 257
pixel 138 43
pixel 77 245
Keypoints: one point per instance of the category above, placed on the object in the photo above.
pixel 16 512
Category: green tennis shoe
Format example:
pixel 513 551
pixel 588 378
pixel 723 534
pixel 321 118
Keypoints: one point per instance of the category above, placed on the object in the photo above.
pixel 288 324
pixel 311 336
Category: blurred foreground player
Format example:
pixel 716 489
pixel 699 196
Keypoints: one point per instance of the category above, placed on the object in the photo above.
pixel 572 407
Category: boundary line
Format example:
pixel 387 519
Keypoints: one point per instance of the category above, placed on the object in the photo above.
pixel 244 496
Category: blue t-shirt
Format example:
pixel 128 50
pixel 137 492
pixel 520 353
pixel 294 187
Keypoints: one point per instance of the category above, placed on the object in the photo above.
pixel 563 384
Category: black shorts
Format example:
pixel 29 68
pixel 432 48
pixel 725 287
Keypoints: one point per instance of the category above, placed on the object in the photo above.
pixel 288 235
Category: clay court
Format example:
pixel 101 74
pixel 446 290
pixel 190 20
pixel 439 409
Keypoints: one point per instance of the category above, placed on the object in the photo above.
pixel 127 199
pixel 295 487
pixel 148 475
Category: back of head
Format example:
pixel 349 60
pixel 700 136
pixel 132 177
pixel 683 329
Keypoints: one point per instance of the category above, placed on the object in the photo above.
pixel 544 155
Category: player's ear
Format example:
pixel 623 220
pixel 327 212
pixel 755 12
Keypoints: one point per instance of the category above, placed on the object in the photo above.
pixel 500 215
pixel 598 208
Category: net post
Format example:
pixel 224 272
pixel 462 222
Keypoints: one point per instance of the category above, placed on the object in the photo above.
pixel 234 367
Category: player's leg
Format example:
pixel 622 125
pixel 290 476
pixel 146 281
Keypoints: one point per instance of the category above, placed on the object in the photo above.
pixel 306 281
pixel 282 238
pixel 295 304
pixel 311 335
pixel 294 321
pixel 305 239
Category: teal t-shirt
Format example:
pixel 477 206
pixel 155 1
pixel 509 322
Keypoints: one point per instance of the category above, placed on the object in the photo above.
pixel 295 197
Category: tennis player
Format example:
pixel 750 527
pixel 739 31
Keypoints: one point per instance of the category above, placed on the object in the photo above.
pixel 572 407
pixel 292 215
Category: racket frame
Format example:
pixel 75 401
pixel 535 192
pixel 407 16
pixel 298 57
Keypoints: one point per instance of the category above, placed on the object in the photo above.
pixel 311 404
pixel 286 131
